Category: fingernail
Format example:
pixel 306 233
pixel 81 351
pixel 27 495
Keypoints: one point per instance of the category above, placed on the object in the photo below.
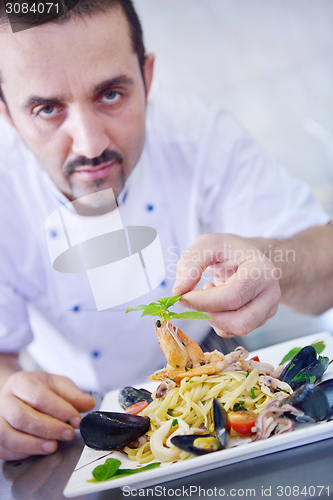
pixel 179 281
pixel 49 446
pixel 67 435
pixel 75 422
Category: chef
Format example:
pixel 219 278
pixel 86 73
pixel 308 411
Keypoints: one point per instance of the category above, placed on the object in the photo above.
pixel 79 118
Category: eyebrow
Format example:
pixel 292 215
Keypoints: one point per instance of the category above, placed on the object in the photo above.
pixel 52 101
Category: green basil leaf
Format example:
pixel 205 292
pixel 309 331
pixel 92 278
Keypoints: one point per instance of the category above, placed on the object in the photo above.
pixel 290 355
pixel 135 308
pixel 169 301
pixel 152 310
pixel 128 472
pixel 300 377
pixel 192 315
pixel 104 472
pixel 319 347
pixel 107 470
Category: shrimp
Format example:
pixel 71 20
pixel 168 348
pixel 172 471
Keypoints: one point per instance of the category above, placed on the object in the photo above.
pixel 179 350
pixel 185 357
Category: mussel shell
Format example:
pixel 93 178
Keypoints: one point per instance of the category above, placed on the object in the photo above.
pixel 221 423
pixel 315 369
pixel 312 401
pixel 197 444
pixel 128 396
pixel 301 360
pixel 104 430
pixel 327 388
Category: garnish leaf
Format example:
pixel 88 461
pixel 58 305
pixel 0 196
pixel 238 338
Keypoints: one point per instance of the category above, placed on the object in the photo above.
pixel 319 347
pixel 107 470
pixel 160 308
pixel 152 310
pixel 169 301
pixel 135 308
pixel 110 470
pixel 128 472
pixel 239 406
pixel 191 315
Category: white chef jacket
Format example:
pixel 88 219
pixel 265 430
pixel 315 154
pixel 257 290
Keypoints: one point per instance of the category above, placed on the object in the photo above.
pixel 199 171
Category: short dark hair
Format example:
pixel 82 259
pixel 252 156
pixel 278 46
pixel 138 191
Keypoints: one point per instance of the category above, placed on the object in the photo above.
pixel 76 8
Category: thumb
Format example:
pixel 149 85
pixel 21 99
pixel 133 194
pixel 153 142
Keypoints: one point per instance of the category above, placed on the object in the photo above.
pixel 69 391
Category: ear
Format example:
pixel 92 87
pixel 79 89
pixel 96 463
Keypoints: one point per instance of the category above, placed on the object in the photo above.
pixel 148 70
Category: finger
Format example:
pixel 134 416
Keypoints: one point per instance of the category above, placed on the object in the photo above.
pixel 25 419
pixel 245 319
pixel 240 289
pixel 194 262
pixel 69 391
pixel 208 285
pixel 222 333
pixel 36 394
pixel 17 442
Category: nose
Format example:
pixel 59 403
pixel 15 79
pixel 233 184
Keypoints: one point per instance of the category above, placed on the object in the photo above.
pixel 88 133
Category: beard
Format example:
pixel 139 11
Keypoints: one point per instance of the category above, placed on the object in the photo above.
pixel 99 189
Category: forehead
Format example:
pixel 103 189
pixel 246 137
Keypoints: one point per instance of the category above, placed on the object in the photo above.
pixel 77 52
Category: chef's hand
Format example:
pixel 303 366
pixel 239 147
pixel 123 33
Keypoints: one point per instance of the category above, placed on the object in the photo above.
pixel 245 292
pixel 35 408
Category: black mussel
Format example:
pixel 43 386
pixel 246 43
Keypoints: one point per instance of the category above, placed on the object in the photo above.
pixel 197 444
pixel 129 396
pixel 207 443
pixel 312 401
pixel 301 360
pixel 221 423
pixel 310 374
pixel 104 430
pixel 327 388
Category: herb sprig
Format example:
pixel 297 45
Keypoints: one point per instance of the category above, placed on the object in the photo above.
pixel 160 308
pixel 110 470
pixel 319 347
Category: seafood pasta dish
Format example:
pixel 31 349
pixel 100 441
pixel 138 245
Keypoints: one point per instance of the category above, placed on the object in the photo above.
pixel 204 398
pixel 182 404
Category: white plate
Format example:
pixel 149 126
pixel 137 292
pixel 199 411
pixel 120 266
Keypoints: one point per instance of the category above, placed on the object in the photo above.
pixel 305 433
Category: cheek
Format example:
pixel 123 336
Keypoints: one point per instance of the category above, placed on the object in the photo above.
pixel 49 145
pixel 130 131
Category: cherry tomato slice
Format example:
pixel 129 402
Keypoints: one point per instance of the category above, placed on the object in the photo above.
pixel 243 421
pixel 137 407
pixel 255 358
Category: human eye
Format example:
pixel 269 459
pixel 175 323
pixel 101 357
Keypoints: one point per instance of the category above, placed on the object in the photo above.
pixel 48 111
pixel 111 96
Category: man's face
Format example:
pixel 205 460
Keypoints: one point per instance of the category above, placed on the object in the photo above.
pixel 76 96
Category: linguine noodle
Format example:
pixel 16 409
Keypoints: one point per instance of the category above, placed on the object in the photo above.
pixel 186 409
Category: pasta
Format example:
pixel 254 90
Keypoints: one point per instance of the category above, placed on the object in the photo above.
pixel 191 402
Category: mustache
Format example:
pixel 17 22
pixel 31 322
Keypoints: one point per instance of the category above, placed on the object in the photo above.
pixel 106 157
